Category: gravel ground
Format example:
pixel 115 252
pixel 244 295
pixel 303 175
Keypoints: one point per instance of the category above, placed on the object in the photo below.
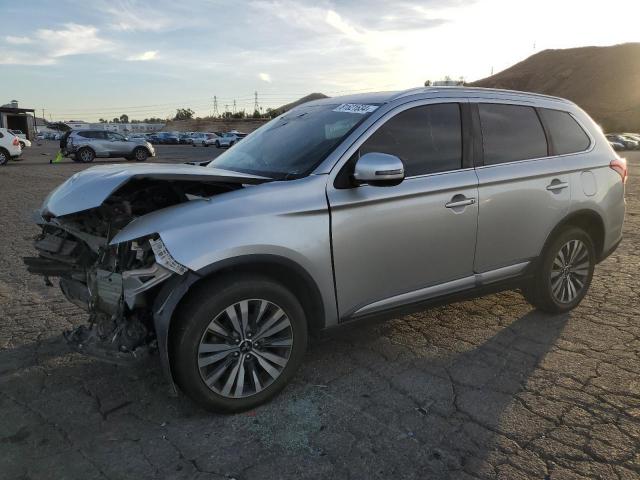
pixel 487 388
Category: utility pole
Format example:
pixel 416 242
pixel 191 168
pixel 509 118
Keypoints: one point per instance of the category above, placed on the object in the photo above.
pixel 256 107
pixel 234 107
pixel 215 107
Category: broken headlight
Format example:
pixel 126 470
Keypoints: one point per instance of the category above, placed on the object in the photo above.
pixel 164 258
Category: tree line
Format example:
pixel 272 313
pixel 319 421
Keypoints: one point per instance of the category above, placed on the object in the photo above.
pixel 188 114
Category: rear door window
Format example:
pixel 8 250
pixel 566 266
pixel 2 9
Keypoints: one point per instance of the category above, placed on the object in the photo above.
pixel 567 136
pixel 511 133
pixel 428 139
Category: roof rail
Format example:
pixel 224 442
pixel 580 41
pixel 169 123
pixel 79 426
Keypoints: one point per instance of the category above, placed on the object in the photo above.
pixel 465 89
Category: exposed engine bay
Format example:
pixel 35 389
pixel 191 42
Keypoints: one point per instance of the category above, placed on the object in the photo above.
pixel 116 284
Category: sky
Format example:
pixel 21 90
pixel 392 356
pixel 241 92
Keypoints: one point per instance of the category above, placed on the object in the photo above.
pixel 80 59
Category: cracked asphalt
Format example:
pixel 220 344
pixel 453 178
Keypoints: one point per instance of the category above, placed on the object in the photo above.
pixel 480 389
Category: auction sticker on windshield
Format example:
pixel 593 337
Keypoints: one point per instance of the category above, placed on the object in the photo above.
pixel 355 108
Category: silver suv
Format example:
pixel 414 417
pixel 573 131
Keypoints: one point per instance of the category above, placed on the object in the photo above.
pixel 86 145
pixel 339 210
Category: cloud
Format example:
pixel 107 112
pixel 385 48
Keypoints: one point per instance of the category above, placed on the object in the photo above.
pixel 148 55
pixel 344 27
pixel 47 45
pixel 18 40
pixel 265 77
pixel 20 58
pixel 73 39
pixel 159 16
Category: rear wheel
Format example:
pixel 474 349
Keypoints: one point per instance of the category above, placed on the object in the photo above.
pixel 565 272
pixel 140 154
pixel 86 155
pixel 4 156
pixel 239 347
pixel 217 144
pixel 22 145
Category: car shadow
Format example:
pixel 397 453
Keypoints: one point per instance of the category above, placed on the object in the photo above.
pixel 458 407
pixel 437 413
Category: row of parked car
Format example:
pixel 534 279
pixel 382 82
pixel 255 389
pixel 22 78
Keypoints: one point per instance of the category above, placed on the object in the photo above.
pixel 204 139
pixel 48 136
pixel 624 141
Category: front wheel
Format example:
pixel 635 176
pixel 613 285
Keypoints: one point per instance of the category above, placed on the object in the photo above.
pixel 217 144
pixel 236 349
pixel 564 274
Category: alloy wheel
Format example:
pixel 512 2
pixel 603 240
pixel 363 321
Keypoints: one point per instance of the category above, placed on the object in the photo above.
pixel 245 348
pixel 86 155
pixel 3 158
pixel 570 271
pixel 141 155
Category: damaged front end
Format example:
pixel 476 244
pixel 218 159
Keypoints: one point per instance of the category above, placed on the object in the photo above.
pixel 116 283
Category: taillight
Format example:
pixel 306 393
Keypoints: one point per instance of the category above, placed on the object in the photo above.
pixel 620 166
pixel 16 142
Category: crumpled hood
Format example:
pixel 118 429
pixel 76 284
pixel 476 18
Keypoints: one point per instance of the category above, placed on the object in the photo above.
pixel 90 188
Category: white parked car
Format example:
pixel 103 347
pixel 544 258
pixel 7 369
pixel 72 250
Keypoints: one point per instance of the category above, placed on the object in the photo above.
pixel 229 139
pixel 203 138
pixel 9 146
pixel 22 138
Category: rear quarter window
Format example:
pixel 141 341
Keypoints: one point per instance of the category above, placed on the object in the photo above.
pixel 567 136
pixel 511 133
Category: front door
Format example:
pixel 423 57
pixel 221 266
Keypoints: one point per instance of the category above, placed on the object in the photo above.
pixel 117 144
pixel 399 244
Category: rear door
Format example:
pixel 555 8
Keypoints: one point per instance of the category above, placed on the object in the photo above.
pixel 524 191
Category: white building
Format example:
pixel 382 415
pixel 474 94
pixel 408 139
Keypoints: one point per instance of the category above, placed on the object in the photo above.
pixel 115 127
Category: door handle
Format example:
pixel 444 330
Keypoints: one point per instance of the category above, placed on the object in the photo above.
pixel 460 203
pixel 557 185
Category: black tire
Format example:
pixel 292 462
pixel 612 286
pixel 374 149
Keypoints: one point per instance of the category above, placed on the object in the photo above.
pixel 204 144
pixel 217 144
pixel 4 156
pixel 196 315
pixel 540 291
pixel 86 155
pixel 22 145
pixel 140 154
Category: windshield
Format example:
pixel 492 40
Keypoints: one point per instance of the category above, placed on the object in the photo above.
pixel 292 145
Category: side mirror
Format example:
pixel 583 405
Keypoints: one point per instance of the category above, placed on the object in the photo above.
pixel 379 170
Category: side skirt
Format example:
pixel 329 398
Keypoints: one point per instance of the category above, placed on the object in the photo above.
pixel 348 323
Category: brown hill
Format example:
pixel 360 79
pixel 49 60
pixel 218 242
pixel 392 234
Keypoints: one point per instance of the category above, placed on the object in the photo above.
pixel 604 81
pixel 305 99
